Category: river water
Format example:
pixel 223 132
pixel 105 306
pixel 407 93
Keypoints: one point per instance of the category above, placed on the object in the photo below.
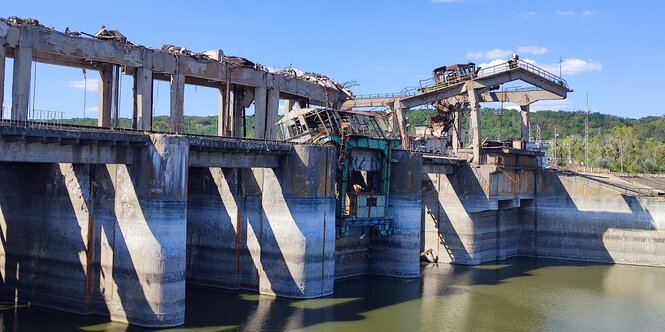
pixel 515 295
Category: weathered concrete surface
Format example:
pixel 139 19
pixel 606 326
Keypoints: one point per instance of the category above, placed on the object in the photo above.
pixel 575 218
pixel 151 212
pixel 298 241
pixel 480 214
pixel 99 239
pixel 398 255
pixel 45 221
pixel 352 254
pixel 266 230
pixel 470 216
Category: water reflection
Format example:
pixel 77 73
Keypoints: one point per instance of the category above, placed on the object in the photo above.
pixel 520 294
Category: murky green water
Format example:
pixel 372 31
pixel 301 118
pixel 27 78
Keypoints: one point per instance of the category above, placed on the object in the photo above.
pixel 516 295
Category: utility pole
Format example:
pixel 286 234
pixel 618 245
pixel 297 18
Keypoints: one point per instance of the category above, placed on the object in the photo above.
pixel 556 133
pixel 560 61
pixel 586 133
pixel 621 152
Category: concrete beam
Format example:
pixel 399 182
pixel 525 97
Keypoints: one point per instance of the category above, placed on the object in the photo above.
pixel 2 77
pixel 368 102
pixel 260 110
pixel 519 97
pixel 272 108
pixel 475 122
pixel 177 109
pixel 71 49
pixel 105 97
pixel 232 160
pixel 524 75
pixel 433 96
pixel 45 152
pixel 524 112
pixel 21 83
pixel 143 95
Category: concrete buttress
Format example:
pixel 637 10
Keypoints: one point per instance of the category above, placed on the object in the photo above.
pixel 149 237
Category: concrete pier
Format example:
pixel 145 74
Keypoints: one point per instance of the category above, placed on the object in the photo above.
pixel 105 239
pixel 270 230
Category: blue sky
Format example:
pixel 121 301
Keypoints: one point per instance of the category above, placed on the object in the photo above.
pixel 613 50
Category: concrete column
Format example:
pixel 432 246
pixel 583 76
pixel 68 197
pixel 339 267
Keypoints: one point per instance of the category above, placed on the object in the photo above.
pixel 458 138
pixel 400 112
pixel 2 78
pixel 398 255
pixel 288 105
pixel 149 239
pixel 272 108
pixel 238 108
pixel 260 110
pixel 221 98
pixel 475 122
pixel 298 231
pixel 143 94
pixel 177 101
pixel 105 97
pixel 524 111
pixel 21 83
pixel 221 106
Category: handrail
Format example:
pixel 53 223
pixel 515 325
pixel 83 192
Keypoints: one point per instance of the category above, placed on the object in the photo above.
pixel 514 64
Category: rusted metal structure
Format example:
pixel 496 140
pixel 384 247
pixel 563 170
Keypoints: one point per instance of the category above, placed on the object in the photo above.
pixel 365 143
pixel 461 87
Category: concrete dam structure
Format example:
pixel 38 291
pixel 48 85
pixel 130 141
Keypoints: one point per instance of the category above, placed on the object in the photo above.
pixel 99 220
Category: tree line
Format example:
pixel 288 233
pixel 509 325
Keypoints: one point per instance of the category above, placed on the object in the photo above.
pixel 616 143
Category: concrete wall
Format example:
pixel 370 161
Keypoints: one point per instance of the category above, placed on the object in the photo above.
pixel 352 253
pixel 99 239
pixel 397 255
pixel 475 216
pixel 574 218
pixel 266 230
pixel 472 216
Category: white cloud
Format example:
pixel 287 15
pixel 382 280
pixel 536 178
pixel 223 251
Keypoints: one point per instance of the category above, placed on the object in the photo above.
pixel 535 50
pixel 492 63
pixel 89 85
pixel 498 53
pixel 553 105
pixel 491 54
pixel 565 13
pixel 530 15
pixel 588 13
pixel 571 66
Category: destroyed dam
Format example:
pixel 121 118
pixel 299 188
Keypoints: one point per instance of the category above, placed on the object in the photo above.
pixel 115 222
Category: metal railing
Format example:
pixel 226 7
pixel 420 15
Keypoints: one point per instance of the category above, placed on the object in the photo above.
pixel 34 117
pixel 411 91
pixel 514 64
